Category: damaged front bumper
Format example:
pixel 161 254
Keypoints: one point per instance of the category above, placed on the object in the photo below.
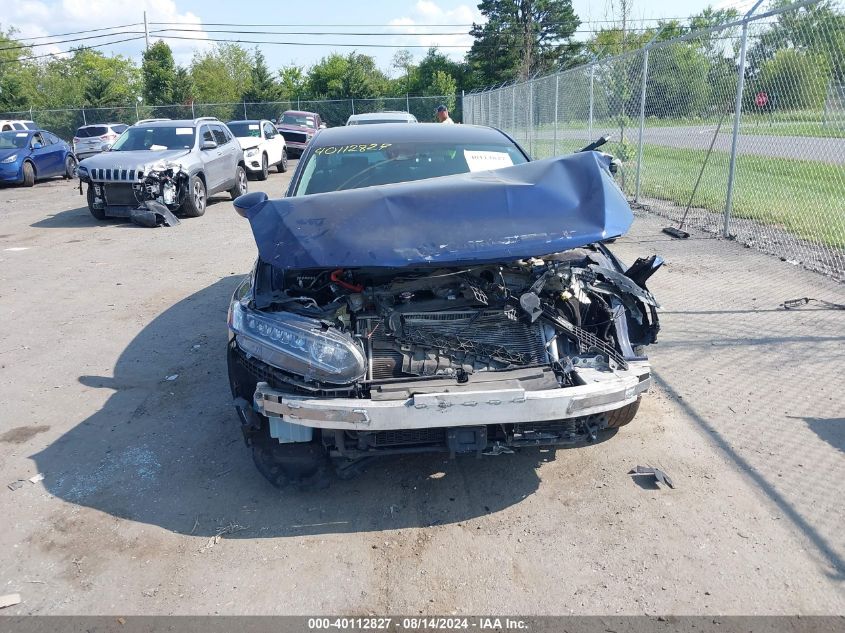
pixel 457 406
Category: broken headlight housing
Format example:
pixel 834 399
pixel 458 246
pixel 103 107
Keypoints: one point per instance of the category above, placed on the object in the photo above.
pixel 297 344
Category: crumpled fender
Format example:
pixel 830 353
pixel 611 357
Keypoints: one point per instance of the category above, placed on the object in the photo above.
pixel 153 214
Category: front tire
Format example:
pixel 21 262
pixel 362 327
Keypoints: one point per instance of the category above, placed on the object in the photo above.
pixel 241 187
pixel 28 174
pixel 624 415
pixel 302 465
pixel 70 167
pixel 265 169
pixel 194 205
pixel 99 214
pixel 282 167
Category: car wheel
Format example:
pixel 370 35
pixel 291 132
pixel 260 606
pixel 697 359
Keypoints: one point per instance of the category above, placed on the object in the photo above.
pixel 100 214
pixel 265 169
pixel 303 465
pixel 282 167
pixel 622 416
pixel 70 167
pixel 241 187
pixel 28 174
pixel 194 205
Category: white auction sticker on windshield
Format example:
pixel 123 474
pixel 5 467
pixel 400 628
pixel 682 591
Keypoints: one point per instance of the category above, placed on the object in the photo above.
pixel 478 160
pixel 184 130
pixel 253 126
pixel 19 134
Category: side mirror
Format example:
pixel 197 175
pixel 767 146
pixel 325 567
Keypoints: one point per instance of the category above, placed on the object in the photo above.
pixel 36 145
pixel 323 126
pixel 245 202
pixel 208 145
pixel 105 147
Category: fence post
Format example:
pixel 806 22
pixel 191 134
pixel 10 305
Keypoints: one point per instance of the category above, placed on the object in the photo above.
pixel 407 103
pixel 642 125
pixel 513 109
pixel 193 115
pixel 137 116
pixel 353 106
pixel 590 124
pixel 737 115
pixel 529 123
pixel 84 120
pixel 557 91
pixel 30 113
pixel 245 116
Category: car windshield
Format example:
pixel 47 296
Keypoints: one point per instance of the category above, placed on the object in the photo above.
pixel 156 138
pixel 339 167
pixel 298 119
pixel 13 140
pixel 245 129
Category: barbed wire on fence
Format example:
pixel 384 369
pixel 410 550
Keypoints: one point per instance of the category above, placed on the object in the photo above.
pixel 775 176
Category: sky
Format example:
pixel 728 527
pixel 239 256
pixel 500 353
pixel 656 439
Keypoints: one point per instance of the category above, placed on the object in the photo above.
pixel 398 22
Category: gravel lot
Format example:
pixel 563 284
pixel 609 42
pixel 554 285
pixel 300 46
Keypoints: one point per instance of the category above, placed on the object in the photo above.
pixel 150 502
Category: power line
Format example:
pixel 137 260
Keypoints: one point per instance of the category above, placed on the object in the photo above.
pixel 324 33
pixel 105 28
pixel 75 39
pixel 80 48
pixel 347 25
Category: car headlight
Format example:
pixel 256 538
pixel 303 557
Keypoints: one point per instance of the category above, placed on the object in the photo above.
pixel 251 152
pixel 297 344
pixel 10 159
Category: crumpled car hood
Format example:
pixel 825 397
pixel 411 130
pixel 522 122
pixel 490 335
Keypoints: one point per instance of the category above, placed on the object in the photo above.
pixel 527 210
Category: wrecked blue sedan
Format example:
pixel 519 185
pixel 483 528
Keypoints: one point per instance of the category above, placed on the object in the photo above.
pixel 429 288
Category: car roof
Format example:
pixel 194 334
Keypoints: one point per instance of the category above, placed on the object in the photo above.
pixel 247 121
pixel 102 124
pixel 180 123
pixel 404 133
pixel 299 112
pixel 387 114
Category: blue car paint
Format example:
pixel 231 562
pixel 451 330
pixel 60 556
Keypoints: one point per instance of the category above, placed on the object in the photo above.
pixel 48 160
pixel 528 210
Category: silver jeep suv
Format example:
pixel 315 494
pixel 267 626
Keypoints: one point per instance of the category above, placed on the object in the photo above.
pixel 203 152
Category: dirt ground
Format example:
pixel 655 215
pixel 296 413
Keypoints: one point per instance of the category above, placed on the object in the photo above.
pixel 150 502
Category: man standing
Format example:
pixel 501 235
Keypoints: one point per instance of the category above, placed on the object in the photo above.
pixel 443 115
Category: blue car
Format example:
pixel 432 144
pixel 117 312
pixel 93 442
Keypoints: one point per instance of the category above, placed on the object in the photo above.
pixel 30 155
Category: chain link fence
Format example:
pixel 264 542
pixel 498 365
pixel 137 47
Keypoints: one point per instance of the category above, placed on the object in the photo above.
pixel 65 122
pixel 738 130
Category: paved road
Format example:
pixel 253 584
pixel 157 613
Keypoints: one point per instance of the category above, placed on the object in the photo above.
pixel 827 150
pixel 142 473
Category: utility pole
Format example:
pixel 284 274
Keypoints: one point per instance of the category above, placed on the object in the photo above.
pixel 146 32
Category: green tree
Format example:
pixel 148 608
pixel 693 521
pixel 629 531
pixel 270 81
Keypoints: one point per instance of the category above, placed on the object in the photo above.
pixel 15 89
pixel 794 79
pixel 293 82
pixel 263 87
pixel 159 72
pixel 443 84
pixel 222 74
pixel 522 37
pixel 352 76
pixel 183 86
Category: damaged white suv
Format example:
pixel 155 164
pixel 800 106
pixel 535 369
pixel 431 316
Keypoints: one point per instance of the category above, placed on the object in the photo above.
pixel 431 289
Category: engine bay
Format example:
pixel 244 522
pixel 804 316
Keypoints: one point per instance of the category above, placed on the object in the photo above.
pixel 568 310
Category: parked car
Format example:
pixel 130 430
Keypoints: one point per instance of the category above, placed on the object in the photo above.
pixel 407 298
pixel 388 116
pixel 8 126
pixel 30 155
pixel 263 146
pixel 202 155
pixel 298 128
pixel 93 139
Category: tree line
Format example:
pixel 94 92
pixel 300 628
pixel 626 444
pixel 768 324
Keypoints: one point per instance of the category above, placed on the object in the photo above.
pixel 795 59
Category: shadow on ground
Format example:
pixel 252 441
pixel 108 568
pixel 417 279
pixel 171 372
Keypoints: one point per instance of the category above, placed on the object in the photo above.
pixel 81 217
pixel 170 452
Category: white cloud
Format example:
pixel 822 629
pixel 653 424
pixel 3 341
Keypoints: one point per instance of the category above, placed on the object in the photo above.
pixel 427 13
pixel 66 16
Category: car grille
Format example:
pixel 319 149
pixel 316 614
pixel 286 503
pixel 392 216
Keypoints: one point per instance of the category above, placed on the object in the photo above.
pixel 408 436
pixel 127 175
pixel 120 194
pixel 294 137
